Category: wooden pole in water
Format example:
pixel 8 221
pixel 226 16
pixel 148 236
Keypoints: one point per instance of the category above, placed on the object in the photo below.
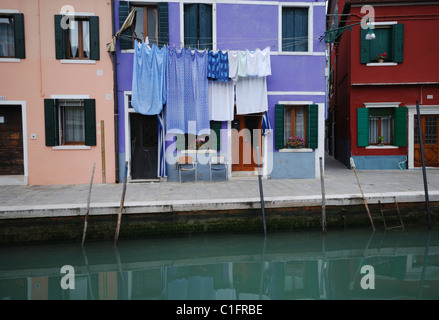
pixel 261 192
pixel 322 179
pixel 119 216
pixel 427 202
pixel 104 174
pixel 364 199
pixel 88 206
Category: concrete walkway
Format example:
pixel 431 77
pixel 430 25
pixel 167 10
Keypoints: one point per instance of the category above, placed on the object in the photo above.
pixel 341 188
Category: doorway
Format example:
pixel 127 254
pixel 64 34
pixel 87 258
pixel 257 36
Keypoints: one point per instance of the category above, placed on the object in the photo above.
pixel 11 140
pixel 429 126
pixel 246 136
pixel 144 146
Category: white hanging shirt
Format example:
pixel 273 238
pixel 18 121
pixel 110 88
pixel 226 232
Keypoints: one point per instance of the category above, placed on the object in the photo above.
pixel 252 63
pixel 251 95
pixel 233 65
pixel 264 62
pixel 242 63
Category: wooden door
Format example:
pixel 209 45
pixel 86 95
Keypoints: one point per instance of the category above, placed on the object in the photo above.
pixel 144 146
pixel 245 138
pixel 429 125
pixel 11 141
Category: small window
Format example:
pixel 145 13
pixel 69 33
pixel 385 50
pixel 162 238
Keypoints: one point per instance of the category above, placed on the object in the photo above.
pixel 12 36
pixel 145 24
pixel 294 122
pixel 388 42
pixel 79 39
pixel 381 126
pixel 295 29
pixel 198 26
pixel 70 122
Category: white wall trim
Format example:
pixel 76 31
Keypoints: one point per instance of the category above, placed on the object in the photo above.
pixel 75 61
pixel 9 11
pixel 423 110
pixel 382 104
pixel 75 147
pixel 77 14
pixel 295 103
pixel 24 131
pixel 127 111
pixel 69 96
pixel 296 93
pixel 10 60
pixel 384 64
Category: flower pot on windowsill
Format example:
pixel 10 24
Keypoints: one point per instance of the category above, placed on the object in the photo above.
pixel 380 60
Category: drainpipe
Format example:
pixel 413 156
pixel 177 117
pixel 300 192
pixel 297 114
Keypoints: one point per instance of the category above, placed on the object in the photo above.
pixel 115 97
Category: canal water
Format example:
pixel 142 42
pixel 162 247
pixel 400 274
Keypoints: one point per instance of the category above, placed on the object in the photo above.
pixel 343 265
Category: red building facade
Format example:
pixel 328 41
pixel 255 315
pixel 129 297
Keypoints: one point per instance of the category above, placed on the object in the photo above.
pixel 372 104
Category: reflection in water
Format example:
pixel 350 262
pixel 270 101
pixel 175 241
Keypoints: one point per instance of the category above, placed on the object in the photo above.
pixel 294 265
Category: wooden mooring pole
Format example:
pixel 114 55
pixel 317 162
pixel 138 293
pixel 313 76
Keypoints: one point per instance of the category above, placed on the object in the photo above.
pixel 362 194
pixel 119 216
pixel 88 206
pixel 424 173
pixel 322 180
pixel 261 192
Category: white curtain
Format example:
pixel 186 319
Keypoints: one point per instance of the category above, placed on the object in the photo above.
pixel 287 123
pixel 300 122
pixel 7 47
pixel 73 38
pixel 74 129
pixel 86 38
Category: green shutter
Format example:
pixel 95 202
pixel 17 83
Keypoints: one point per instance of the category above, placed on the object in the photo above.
pixel 400 127
pixel 365 47
pixel 163 23
pixel 90 121
pixel 20 51
pixel 398 43
pixel 363 127
pixel 60 39
pixel 216 127
pixel 50 122
pixel 191 25
pixel 312 126
pixel 279 141
pixel 94 38
pixel 205 27
pixel 126 36
pixel 180 143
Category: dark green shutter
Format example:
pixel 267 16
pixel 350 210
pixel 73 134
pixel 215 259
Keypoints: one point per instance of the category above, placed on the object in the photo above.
pixel 287 29
pixel 216 127
pixel 294 27
pixel 90 121
pixel 191 25
pixel 20 51
pixel 163 23
pixel 126 36
pixel 60 39
pixel 50 122
pixel 365 46
pixel 279 141
pixel 363 127
pixel 205 27
pixel 312 126
pixel 94 38
pixel 180 143
pixel 400 127
pixel 398 43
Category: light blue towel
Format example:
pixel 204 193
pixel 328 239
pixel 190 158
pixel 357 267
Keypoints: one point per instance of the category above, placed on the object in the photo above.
pixel 149 79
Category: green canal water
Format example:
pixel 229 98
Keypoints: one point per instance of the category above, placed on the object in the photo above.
pixel 343 265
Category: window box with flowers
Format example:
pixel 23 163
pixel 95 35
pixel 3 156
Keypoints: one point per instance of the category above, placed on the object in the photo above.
pixel 381 57
pixel 295 143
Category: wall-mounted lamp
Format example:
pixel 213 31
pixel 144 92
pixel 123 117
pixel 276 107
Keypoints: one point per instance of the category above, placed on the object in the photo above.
pixel 333 34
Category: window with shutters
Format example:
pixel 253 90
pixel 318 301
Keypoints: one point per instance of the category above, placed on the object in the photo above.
pixel 389 39
pixel 150 21
pixel 70 122
pixel 296 120
pixel 295 29
pixel 382 126
pixel 198 26
pixel 77 38
pixel 12 36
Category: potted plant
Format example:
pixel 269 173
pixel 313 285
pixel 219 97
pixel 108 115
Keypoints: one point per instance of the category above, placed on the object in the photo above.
pixel 381 57
pixel 197 143
pixel 380 140
pixel 295 142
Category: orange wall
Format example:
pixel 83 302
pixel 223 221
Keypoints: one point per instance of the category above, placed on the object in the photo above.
pixel 40 76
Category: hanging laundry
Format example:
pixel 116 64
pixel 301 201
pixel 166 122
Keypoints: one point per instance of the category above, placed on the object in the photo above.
pixel 251 95
pixel 233 65
pixel 187 108
pixel 264 62
pixel 252 63
pixel 149 79
pixel 218 66
pixel 242 63
pixel 221 100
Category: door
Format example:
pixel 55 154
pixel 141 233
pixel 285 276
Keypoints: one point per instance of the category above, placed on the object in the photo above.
pixel 144 146
pixel 11 141
pixel 245 138
pixel 429 125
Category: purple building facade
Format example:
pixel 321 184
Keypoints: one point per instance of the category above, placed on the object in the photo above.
pixel 296 87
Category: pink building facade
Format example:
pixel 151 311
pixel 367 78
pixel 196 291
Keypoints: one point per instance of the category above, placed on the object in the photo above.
pixel 56 92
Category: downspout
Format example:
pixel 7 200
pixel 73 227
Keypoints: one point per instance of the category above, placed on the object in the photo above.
pixel 115 97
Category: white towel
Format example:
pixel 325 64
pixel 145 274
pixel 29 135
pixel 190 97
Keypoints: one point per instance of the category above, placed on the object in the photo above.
pixel 233 65
pixel 242 63
pixel 221 100
pixel 251 95
pixel 252 63
pixel 264 62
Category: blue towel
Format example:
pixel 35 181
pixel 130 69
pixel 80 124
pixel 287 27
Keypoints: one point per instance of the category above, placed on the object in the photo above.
pixel 149 79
